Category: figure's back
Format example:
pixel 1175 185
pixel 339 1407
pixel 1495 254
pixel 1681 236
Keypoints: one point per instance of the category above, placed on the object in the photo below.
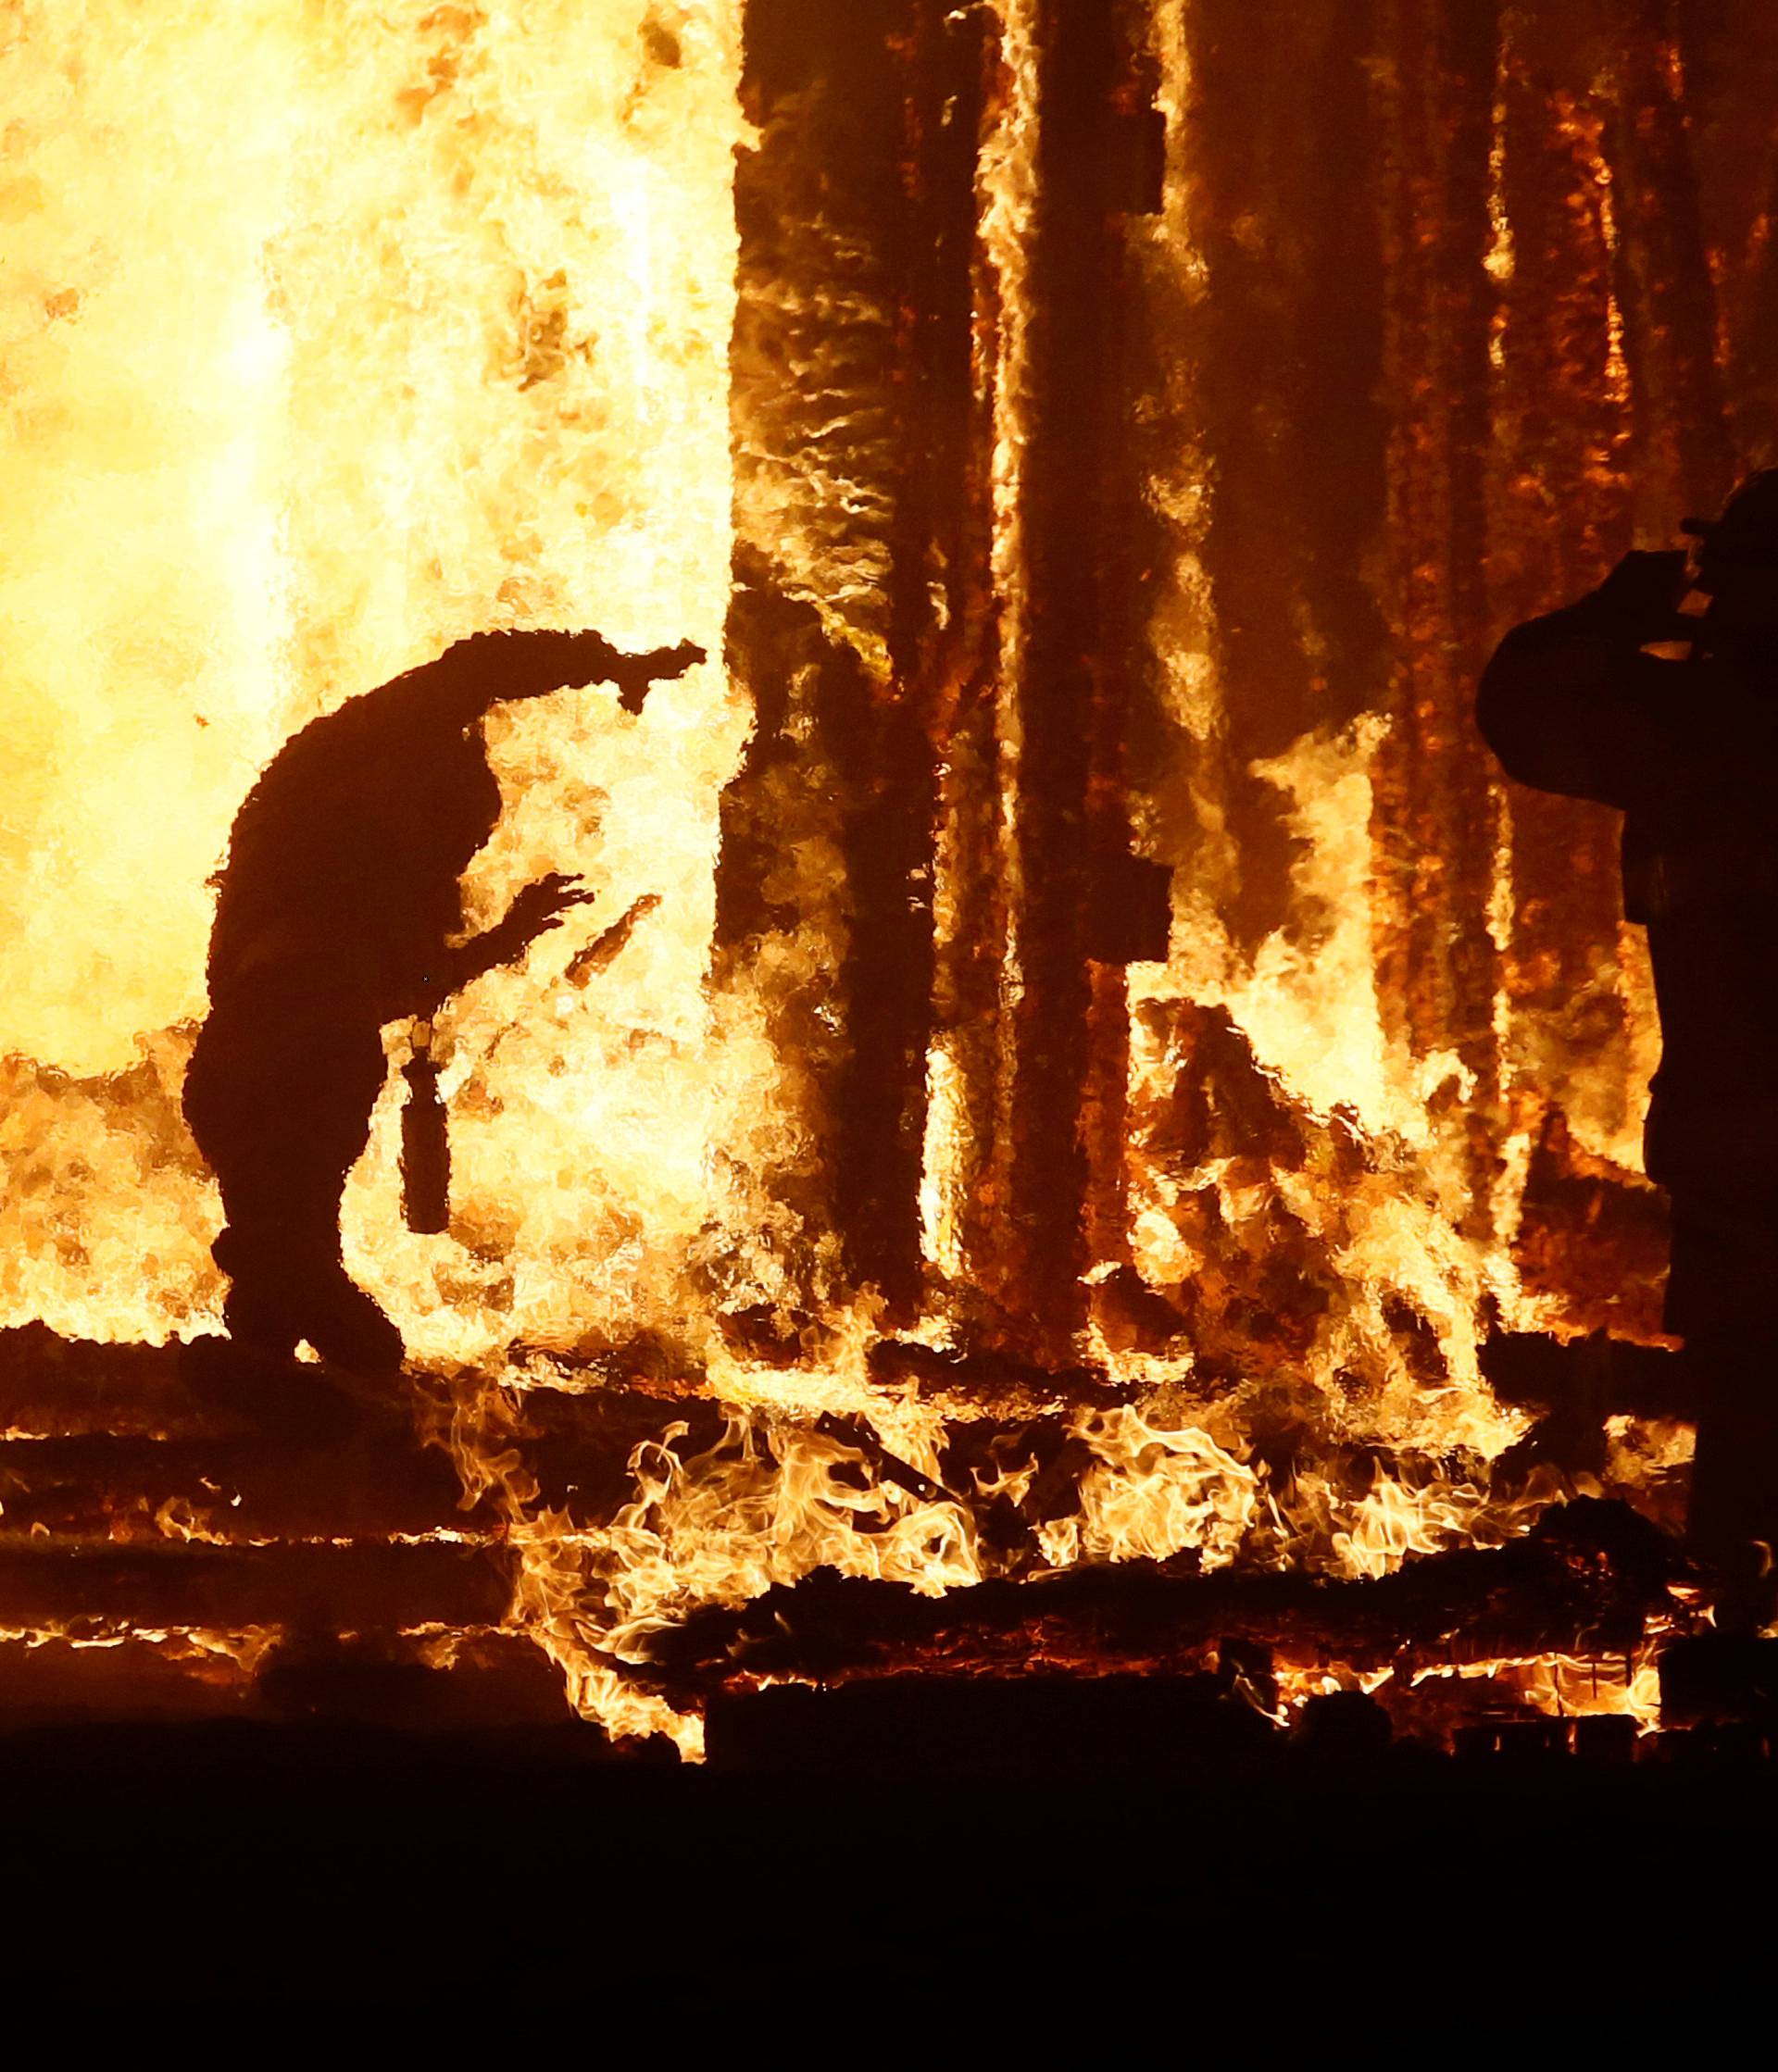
pixel 354 838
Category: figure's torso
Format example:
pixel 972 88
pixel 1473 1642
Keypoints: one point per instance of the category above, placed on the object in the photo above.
pixel 345 857
pixel 1701 873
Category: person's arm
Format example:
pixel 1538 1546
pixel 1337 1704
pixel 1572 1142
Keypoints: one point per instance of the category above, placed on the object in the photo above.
pixel 525 663
pixel 536 910
pixel 1570 704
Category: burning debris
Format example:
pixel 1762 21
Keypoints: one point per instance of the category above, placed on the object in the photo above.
pixel 1082 1129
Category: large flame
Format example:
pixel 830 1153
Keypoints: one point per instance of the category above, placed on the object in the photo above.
pixel 435 341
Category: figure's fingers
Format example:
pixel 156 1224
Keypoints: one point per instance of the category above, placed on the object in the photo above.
pixel 668 661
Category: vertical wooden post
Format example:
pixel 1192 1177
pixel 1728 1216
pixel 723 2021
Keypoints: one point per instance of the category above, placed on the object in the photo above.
pixel 1434 825
pixel 1077 889
pixel 861 564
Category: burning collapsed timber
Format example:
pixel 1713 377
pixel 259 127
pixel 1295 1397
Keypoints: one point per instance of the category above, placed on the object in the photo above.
pixel 1107 1140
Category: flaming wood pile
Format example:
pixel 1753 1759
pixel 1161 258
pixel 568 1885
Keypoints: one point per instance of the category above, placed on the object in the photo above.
pixel 172 1552
pixel 1588 1574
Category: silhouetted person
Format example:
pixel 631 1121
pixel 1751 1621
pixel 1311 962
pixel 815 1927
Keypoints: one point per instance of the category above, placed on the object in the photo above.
pixel 1688 750
pixel 336 902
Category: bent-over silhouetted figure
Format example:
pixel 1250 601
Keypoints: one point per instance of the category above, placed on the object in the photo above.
pixel 1687 749
pixel 336 904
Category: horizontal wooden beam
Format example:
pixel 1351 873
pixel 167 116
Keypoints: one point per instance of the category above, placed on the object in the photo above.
pixel 1585 1577
pixel 354 1587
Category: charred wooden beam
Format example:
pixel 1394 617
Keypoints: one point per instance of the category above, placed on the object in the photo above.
pixel 51 1386
pixel 578 1444
pixel 1433 820
pixel 1731 80
pixel 1285 357
pixel 988 1384
pixel 944 1724
pixel 1083 905
pixel 58 1388
pixel 242 1487
pixel 1709 1679
pixel 937 631
pixel 1668 286
pixel 350 1587
pixel 861 490
pixel 1599 1376
pixel 1587 1576
pixel 434 1683
pixel 123 1674
pixel 430 1682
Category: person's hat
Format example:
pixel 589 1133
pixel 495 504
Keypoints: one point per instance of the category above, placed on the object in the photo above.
pixel 1746 536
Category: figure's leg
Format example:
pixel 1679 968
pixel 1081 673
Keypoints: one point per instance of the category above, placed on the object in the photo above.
pixel 288 1282
pixel 280 1099
pixel 1725 1256
pixel 1734 1470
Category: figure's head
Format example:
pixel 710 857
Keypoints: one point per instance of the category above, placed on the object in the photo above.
pixel 1737 556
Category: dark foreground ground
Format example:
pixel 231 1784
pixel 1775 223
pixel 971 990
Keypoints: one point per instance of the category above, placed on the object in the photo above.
pixel 860 1871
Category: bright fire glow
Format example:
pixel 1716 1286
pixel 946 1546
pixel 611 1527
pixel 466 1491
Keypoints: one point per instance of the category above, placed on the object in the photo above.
pixel 436 342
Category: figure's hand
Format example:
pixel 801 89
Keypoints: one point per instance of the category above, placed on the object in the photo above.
pixel 537 910
pixel 635 675
pixel 1642 595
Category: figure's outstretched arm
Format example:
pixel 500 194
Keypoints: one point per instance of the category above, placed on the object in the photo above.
pixel 526 664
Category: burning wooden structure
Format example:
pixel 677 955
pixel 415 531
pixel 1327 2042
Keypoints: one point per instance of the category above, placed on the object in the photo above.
pixel 1111 1096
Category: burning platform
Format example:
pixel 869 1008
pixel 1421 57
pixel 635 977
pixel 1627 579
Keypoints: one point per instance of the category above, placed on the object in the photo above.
pixel 194 1541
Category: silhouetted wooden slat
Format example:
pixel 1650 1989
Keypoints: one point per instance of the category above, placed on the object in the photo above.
pixel 579 1446
pixel 989 1383
pixel 1604 1376
pixel 1615 1278
pixel 127 1675
pixel 999 1724
pixel 58 1387
pixel 425 1685
pixel 255 1486
pixel 1731 73
pixel 349 1588
pixel 470 1678
pixel 1666 283
pixel 1434 823
pixel 1286 146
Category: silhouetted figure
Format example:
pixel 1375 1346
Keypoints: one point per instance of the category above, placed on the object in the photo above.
pixel 1687 749
pixel 336 903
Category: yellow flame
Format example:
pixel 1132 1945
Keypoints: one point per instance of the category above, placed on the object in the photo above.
pixel 436 342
